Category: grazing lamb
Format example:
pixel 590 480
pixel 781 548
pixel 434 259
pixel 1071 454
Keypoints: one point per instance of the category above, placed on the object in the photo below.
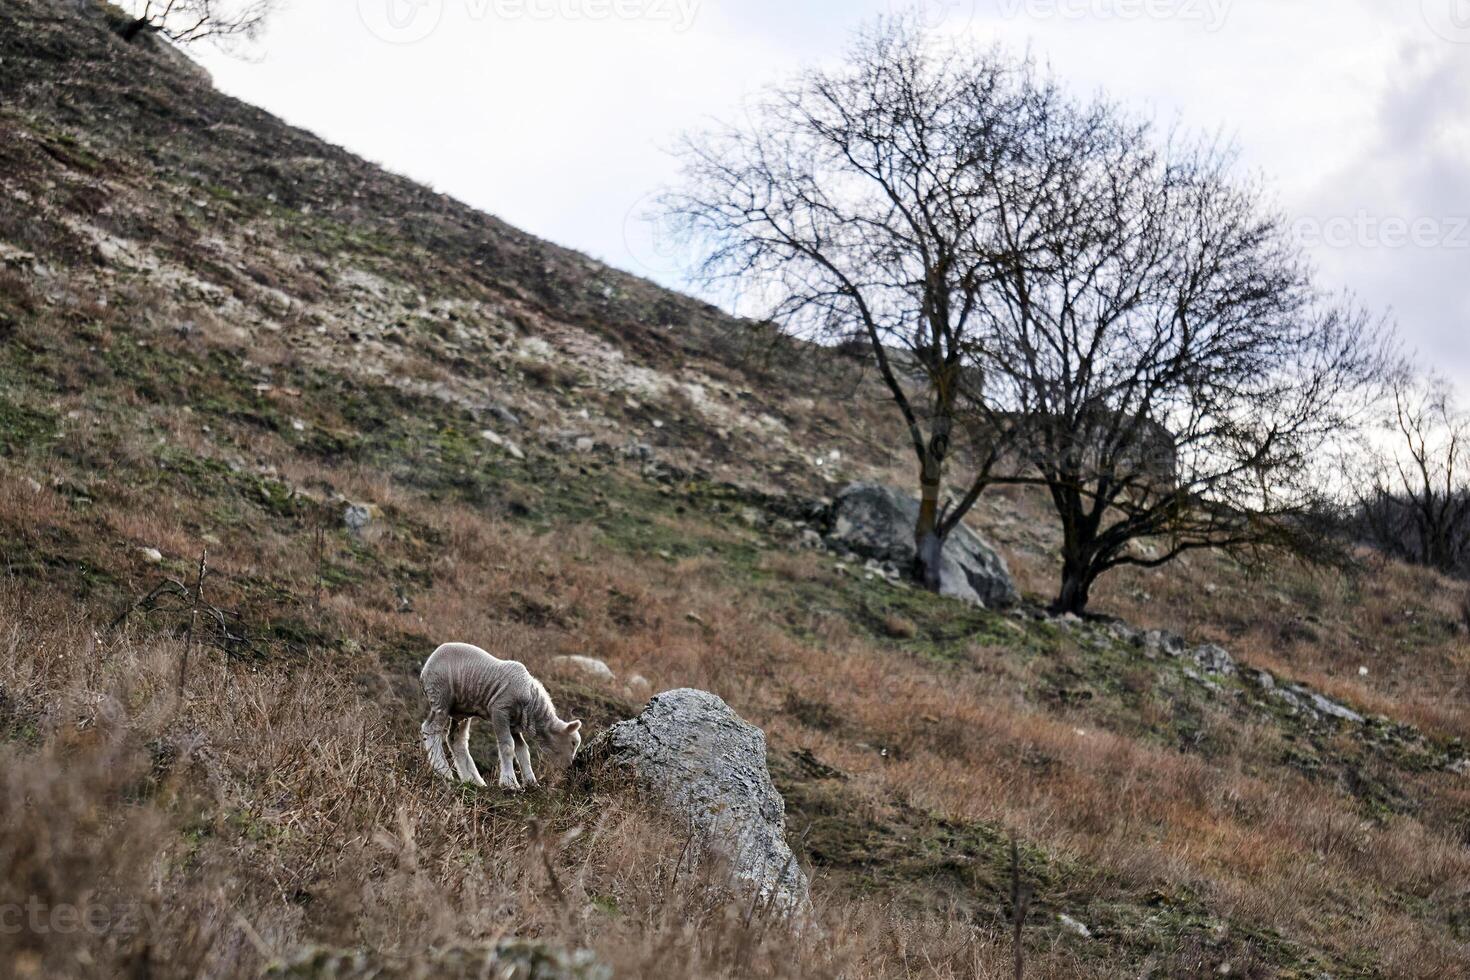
pixel 463 682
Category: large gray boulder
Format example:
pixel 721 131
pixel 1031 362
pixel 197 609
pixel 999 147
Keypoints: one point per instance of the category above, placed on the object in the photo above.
pixel 705 765
pixel 878 522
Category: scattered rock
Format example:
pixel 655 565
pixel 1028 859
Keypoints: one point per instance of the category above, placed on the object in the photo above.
pixel 693 753
pixel 506 415
pixel 1072 925
pixel 33 486
pixel 511 959
pixel 586 444
pixel 590 666
pixel 1213 659
pixel 1202 680
pixel 878 522
pixel 1163 643
pixel 151 555
pixel 1304 699
pixel 1331 708
pixel 358 517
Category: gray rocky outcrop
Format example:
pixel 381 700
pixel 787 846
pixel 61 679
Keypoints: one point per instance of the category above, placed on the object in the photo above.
pixel 877 522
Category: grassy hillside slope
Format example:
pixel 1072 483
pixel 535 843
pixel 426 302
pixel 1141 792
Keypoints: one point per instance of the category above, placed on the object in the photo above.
pixel 218 333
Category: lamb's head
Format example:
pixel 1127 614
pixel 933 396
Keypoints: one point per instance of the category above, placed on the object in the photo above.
pixel 565 740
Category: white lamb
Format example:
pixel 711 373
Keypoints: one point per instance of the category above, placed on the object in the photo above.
pixel 463 682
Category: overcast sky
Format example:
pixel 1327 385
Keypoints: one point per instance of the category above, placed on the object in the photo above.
pixel 556 114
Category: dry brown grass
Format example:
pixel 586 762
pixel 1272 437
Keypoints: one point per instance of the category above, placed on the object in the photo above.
pixel 293 799
pixel 267 811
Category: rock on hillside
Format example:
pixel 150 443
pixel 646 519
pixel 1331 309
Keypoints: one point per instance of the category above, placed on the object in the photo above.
pixel 878 522
pixel 509 960
pixel 691 752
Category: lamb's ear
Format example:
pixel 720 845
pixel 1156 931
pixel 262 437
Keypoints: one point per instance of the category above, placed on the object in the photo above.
pixel 573 727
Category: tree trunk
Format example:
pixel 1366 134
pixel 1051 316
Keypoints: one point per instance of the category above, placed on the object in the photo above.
pixel 927 543
pixel 1077 579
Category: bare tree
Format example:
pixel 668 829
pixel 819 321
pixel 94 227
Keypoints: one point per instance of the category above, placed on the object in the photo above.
pixel 1414 501
pixel 187 21
pixel 1067 287
pixel 1156 327
pixel 858 204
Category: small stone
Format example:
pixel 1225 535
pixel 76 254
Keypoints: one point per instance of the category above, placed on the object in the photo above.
pixel 358 517
pixel 492 438
pixel 1362 671
pixel 1329 707
pixel 590 666
pixel 151 555
pixel 33 486
pixel 298 425
pixel 1157 642
pixel 586 444
pixel 1074 926
pixel 1213 659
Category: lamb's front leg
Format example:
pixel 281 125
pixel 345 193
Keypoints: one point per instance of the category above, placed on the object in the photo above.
pixel 506 744
pixel 459 744
pixel 523 759
pixel 435 729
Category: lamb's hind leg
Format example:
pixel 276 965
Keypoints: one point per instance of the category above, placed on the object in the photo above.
pixel 435 731
pixel 459 744
pixel 506 744
pixel 523 759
